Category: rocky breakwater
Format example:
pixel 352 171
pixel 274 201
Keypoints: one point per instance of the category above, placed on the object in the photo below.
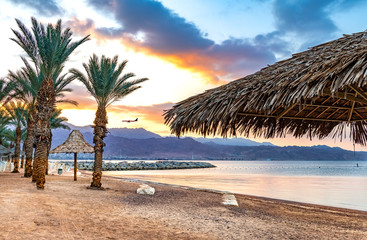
pixel 141 165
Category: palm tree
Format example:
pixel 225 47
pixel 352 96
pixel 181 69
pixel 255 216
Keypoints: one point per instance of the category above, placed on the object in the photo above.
pixel 48 48
pixel 105 84
pixel 9 138
pixel 28 83
pixel 17 112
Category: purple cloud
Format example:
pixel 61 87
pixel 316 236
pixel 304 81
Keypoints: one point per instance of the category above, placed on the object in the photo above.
pixel 309 19
pixel 43 7
pixel 164 30
pixel 165 33
pixel 148 25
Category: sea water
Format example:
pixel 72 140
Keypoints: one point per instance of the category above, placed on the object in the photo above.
pixel 330 183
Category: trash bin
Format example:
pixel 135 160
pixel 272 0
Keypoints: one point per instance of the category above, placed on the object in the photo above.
pixel 59 171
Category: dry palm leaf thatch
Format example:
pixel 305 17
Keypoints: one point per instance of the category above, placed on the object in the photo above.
pixel 75 143
pixel 316 93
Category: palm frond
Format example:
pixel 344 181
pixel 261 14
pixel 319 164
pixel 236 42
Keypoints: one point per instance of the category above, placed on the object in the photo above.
pixel 48 46
pixel 17 112
pixel 72 102
pixel 103 79
pixel 6 91
pixel 58 122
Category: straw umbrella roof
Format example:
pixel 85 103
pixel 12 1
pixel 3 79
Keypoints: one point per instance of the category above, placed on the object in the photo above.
pixel 317 93
pixel 4 151
pixel 75 143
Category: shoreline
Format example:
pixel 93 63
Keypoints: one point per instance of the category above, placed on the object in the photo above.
pixel 68 210
pixel 283 201
pixel 335 204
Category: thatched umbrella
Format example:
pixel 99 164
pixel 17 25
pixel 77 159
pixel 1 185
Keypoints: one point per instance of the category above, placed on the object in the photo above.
pixel 317 92
pixel 75 143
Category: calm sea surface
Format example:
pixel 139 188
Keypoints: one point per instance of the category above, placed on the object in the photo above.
pixel 331 183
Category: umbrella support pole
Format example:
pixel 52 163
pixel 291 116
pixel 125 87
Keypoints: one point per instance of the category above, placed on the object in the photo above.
pixel 75 166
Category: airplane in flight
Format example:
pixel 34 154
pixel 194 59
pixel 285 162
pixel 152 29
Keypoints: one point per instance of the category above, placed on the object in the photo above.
pixel 129 121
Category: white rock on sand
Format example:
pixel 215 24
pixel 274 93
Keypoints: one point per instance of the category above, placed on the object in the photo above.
pixel 145 189
pixel 229 199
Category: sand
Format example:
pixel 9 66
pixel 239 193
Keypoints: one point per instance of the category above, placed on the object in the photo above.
pixel 68 210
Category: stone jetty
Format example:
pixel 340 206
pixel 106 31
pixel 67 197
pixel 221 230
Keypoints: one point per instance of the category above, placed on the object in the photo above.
pixel 140 165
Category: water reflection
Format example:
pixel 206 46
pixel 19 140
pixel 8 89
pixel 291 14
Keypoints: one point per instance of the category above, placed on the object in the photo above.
pixel 331 183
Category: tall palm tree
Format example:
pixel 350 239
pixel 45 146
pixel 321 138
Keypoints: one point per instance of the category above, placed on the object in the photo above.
pixel 28 83
pixel 105 83
pixel 17 112
pixel 48 48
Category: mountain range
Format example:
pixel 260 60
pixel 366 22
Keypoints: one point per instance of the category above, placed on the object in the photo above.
pixel 138 143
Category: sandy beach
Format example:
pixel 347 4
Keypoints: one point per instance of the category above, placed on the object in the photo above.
pixel 68 210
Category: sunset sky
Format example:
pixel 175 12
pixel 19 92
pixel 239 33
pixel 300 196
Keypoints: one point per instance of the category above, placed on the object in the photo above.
pixel 183 46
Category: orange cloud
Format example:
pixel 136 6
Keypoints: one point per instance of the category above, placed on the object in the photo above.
pixel 81 96
pixel 185 60
pixel 151 113
pixel 216 63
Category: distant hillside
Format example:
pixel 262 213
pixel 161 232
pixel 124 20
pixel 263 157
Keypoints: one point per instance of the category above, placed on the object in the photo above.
pixel 233 142
pixel 290 153
pixel 141 133
pixel 154 148
pixel 138 133
pixel 141 144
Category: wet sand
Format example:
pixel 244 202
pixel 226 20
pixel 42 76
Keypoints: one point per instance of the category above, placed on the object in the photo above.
pixel 68 210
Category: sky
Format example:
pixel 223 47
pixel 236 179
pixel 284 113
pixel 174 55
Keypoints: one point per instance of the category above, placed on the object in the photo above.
pixel 183 47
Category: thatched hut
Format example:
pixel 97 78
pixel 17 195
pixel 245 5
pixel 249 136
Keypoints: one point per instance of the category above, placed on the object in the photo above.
pixel 315 93
pixel 75 143
pixel 4 152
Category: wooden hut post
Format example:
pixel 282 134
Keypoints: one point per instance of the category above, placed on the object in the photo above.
pixel 22 162
pixel 75 165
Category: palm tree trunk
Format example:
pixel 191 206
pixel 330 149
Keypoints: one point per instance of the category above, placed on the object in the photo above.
pixel 33 175
pixel 39 164
pixel 22 161
pixel 48 152
pixel 100 132
pixel 18 132
pixel 29 144
pixel 45 108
